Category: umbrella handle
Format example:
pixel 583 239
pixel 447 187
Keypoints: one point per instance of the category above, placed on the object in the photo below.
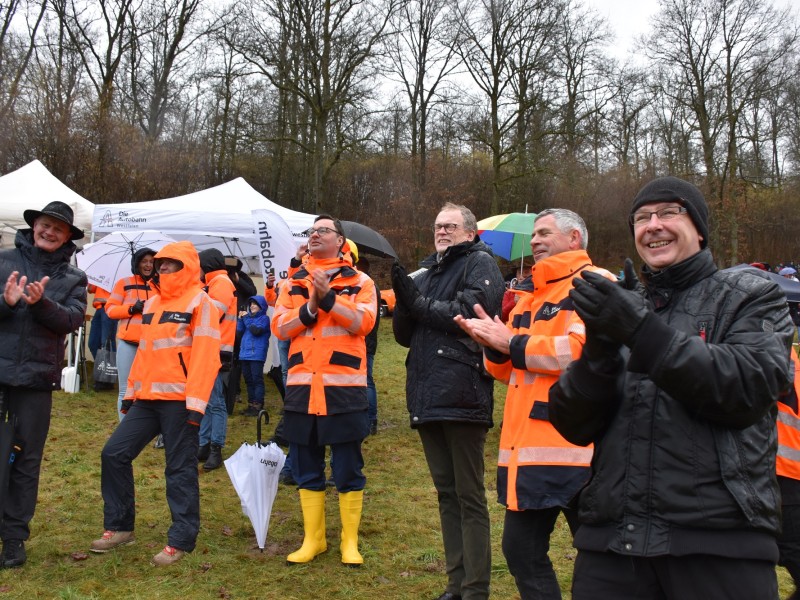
pixel 265 415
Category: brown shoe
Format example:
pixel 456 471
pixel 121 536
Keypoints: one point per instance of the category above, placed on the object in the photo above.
pixel 112 539
pixel 168 556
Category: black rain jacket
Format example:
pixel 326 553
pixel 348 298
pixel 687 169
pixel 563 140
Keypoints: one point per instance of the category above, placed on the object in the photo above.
pixel 684 423
pixel 445 379
pixel 32 336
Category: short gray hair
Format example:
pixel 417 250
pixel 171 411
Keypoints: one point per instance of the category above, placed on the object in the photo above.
pixel 470 223
pixel 566 221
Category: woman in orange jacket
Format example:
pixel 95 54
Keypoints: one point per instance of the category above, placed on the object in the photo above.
pixel 168 389
pixel 125 304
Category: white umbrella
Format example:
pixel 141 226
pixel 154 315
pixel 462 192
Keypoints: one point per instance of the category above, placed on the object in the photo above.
pixel 108 260
pixel 254 470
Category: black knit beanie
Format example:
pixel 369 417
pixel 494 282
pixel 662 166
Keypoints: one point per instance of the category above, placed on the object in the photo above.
pixel 665 189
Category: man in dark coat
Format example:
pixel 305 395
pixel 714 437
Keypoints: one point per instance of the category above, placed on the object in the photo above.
pixel 43 300
pixel 449 395
pixel 677 388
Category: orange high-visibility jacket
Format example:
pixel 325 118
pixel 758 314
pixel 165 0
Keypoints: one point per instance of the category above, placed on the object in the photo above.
pixel 178 355
pixel 788 459
pixel 126 292
pixel 100 296
pixel 223 293
pixel 537 468
pixel 327 357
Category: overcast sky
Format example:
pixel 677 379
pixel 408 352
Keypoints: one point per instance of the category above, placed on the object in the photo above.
pixel 630 18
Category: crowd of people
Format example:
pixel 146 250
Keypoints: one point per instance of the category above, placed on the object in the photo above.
pixel 657 411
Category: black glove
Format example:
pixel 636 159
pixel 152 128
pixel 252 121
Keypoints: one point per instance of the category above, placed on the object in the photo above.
pixel 404 287
pixel 126 406
pixel 194 417
pixel 137 308
pixel 612 310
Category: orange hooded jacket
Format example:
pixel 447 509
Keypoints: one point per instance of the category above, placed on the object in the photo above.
pixel 223 293
pixel 788 459
pixel 537 467
pixel 126 292
pixel 178 356
pixel 328 356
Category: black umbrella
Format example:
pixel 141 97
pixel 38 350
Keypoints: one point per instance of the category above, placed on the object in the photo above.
pixel 368 240
pixel 8 450
pixel 789 287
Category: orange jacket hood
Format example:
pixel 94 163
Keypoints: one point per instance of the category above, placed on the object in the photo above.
pixel 172 285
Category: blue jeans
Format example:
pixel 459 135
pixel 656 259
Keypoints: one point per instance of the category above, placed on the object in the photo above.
pixel 214 426
pixel 283 354
pixel 103 327
pixel 372 391
pixel 125 354
pixel 253 371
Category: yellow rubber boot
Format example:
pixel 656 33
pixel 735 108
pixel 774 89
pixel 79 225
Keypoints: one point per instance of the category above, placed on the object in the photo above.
pixel 350 504
pixel 313 505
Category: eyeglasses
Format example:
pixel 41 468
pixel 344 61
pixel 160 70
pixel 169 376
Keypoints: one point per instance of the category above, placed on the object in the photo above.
pixel 642 217
pixel 320 231
pixel 448 227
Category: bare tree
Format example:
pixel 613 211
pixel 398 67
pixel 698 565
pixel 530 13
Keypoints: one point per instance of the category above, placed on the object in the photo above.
pixel 16 49
pixel 422 55
pixel 502 44
pixel 327 63
pixel 720 50
pixel 160 54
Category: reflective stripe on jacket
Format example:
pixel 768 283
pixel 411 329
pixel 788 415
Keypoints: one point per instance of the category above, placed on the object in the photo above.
pixel 788 460
pixel 222 292
pixel 126 292
pixel 537 467
pixel 327 357
pixel 178 355
pixel 100 296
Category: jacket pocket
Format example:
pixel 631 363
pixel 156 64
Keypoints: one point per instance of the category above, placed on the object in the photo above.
pixel 345 360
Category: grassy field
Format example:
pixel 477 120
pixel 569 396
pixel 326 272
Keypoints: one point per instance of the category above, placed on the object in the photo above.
pixel 400 536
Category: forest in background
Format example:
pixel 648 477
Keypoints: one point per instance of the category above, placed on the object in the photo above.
pixel 379 111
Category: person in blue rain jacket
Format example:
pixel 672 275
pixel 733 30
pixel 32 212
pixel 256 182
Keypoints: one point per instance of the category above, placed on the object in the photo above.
pixel 253 323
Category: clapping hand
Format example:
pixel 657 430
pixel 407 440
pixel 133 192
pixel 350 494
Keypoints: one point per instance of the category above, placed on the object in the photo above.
pixel 404 287
pixel 614 310
pixel 16 290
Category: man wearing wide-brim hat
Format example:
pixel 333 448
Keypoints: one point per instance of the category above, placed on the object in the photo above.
pixel 44 299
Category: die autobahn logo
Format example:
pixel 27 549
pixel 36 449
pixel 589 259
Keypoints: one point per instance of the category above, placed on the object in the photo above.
pixel 122 217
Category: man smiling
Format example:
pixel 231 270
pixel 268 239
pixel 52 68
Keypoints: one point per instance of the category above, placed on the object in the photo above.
pixel 35 316
pixel 449 396
pixel 679 398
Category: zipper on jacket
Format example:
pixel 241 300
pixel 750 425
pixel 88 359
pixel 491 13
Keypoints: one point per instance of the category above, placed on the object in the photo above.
pixel 183 364
pixel 703 326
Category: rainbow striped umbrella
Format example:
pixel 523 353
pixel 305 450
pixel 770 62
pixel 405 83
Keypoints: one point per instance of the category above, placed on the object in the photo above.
pixel 508 235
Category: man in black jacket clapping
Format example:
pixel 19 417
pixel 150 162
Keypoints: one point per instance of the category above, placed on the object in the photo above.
pixel 677 389
pixel 43 300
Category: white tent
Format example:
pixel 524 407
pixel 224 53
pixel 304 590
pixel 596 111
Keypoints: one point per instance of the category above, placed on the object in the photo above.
pixel 219 217
pixel 33 186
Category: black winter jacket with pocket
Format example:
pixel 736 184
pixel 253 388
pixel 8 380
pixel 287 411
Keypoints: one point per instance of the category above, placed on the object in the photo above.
pixel 32 336
pixel 684 423
pixel 445 378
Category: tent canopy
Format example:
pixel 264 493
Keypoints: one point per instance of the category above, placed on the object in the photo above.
pixel 32 187
pixel 219 217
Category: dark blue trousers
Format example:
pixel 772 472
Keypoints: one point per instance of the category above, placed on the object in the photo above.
pixel 308 466
pixel 145 420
